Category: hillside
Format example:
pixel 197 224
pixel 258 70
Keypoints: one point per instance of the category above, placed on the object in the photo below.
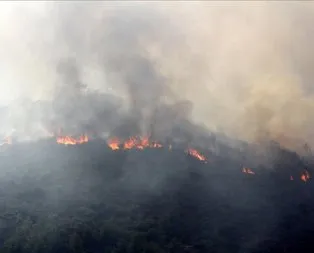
pixel 89 198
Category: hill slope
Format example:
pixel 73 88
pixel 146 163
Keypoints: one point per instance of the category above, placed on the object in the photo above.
pixel 88 198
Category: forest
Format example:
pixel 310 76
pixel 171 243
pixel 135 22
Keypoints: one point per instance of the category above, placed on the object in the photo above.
pixel 89 198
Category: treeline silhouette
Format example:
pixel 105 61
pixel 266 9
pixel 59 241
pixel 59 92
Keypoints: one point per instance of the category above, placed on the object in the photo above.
pixel 88 198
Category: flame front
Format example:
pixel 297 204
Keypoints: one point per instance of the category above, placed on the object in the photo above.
pixel 141 143
pixel 68 140
pixel 196 154
pixel 114 143
pixel 248 171
pixel 132 143
pixel 305 176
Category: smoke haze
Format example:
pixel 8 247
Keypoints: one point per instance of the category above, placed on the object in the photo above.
pixel 242 68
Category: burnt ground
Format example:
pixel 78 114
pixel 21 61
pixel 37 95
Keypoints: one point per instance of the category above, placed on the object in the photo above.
pixel 88 198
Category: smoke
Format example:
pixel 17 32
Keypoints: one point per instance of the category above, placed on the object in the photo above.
pixel 240 68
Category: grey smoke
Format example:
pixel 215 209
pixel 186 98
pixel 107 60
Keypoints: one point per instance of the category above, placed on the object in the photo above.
pixel 116 67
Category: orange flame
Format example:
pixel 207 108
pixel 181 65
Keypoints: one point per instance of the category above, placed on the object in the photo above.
pixel 305 176
pixel 196 154
pixel 248 171
pixel 144 142
pixel 132 143
pixel 141 143
pixel 68 140
pixel 114 143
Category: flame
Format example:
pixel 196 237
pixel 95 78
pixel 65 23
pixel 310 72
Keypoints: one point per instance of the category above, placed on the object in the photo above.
pixel 141 143
pixel 305 176
pixel 6 141
pixel 248 171
pixel 156 145
pixel 132 143
pixel 144 142
pixel 114 143
pixel 196 154
pixel 68 140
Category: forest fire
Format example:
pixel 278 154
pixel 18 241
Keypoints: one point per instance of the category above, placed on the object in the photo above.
pixel 132 143
pixel 248 171
pixel 114 143
pixel 140 143
pixel 68 140
pixel 305 176
pixel 144 142
pixel 196 154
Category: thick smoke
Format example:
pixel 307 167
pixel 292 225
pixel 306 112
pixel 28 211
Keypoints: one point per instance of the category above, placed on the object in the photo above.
pixel 128 68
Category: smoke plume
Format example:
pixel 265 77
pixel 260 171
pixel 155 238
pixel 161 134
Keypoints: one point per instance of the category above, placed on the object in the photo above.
pixel 241 68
